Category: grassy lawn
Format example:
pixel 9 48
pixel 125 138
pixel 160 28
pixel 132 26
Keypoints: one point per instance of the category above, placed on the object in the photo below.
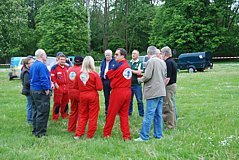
pixel 208 125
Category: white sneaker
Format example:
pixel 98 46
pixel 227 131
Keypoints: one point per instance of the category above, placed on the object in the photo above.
pixel 76 137
pixel 140 140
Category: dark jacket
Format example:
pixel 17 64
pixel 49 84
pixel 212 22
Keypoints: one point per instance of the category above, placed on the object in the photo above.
pixel 103 65
pixel 25 77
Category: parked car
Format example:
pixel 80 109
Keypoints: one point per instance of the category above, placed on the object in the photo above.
pixel 144 59
pixel 17 63
pixel 198 61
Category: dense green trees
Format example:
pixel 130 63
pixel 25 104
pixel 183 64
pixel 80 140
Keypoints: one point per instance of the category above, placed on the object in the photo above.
pixel 61 25
pixel 190 26
pixel 13 28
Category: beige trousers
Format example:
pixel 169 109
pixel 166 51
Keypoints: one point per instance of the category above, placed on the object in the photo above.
pixel 169 116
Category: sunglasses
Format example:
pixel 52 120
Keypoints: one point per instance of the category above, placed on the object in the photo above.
pixel 117 54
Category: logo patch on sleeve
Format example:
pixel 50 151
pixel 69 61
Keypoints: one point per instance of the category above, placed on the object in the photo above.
pixel 72 76
pixel 84 77
pixel 127 73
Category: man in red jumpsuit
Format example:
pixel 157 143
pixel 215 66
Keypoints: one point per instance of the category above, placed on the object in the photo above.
pixel 59 80
pixel 120 82
pixel 73 93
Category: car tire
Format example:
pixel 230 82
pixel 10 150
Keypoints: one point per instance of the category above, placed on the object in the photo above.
pixel 191 70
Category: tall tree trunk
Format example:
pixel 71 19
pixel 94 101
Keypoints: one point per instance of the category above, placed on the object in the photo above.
pixel 126 24
pixel 106 25
pixel 88 23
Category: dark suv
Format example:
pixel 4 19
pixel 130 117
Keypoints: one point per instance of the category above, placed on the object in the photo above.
pixel 198 61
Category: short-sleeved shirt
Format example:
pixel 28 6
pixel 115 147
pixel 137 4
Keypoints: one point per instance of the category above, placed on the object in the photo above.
pixel 135 65
pixel 171 70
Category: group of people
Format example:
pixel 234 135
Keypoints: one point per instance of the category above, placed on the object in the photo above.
pixel 120 80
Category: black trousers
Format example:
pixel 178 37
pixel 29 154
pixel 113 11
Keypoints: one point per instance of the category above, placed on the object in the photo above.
pixel 40 111
pixel 106 89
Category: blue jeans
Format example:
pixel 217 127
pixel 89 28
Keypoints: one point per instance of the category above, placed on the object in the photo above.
pixel 154 109
pixel 137 90
pixel 29 109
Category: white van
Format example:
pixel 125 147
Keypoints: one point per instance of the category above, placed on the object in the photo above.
pixel 17 63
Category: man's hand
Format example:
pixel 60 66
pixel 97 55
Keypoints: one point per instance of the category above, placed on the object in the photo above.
pixel 56 85
pixel 139 80
pixel 139 72
pixel 47 92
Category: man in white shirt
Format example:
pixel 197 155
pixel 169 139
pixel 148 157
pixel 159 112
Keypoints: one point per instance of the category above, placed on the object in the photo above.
pixel 107 63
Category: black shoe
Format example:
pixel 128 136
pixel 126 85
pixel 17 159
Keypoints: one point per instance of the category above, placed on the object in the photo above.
pixel 40 135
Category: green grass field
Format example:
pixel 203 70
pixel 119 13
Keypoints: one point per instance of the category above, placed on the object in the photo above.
pixel 208 125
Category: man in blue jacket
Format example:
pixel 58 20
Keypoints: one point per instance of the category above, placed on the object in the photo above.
pixel 40 85
pixel 107 63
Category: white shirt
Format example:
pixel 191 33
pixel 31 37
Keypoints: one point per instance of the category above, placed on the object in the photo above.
pixel 106 68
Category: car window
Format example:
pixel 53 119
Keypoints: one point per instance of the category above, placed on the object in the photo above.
pixel 50 61
pixel 141 58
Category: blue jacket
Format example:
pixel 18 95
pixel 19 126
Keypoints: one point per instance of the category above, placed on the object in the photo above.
pixel 112 64
pixel 39 77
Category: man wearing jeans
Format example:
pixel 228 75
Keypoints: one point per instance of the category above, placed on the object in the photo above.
pixel 154 91
pixel 136 89
pixel 40 85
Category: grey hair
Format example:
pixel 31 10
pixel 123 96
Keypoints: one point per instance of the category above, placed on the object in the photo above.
pixel 167 51
pixel 39 52
pixel 135 50
pixel 152 50
pixel 108 51
pixel 158 51
pixel 88 64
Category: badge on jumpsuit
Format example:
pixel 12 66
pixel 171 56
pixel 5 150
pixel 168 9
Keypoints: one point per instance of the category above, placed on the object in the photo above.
pixel 127 73
pixel 84 77
pixel 72 76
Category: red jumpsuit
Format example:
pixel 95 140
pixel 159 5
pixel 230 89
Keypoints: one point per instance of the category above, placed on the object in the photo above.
pixel 88 84
pixel 120 82
pixel 59 76
pixel 74 98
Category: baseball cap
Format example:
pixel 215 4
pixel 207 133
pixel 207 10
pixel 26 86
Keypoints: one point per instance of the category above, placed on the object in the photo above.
pixel 78 60
pixel 59 54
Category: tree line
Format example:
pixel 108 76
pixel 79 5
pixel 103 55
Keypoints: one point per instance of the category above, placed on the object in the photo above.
pixel 88 27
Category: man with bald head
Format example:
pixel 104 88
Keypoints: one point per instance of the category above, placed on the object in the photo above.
pixel 40 85
pixel 107 64
pixel 136 89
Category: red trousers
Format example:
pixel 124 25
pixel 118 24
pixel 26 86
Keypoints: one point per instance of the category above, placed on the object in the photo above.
pixel 74 113
pixel 88 112
pixel 119 103
pixel 60 105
